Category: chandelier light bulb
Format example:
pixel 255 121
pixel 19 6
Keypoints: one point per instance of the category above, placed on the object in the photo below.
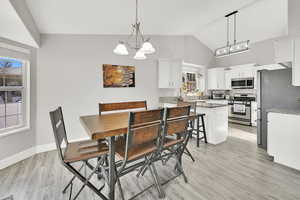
pixel 139 55
pixel 121 50
pixel 147 48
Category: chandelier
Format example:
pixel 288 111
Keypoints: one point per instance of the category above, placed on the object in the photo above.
pixel 135 41
pixel 236 47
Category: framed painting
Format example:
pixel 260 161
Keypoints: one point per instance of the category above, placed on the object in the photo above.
pixel 118 76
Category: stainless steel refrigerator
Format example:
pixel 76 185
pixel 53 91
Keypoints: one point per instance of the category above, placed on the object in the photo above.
pixel 274 90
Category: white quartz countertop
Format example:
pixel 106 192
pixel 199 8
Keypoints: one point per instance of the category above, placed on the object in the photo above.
pixel 284 111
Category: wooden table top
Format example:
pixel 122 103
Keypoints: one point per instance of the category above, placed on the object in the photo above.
pixel 107 125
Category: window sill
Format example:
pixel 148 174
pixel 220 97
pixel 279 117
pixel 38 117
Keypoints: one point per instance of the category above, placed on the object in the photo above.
pixel 14 131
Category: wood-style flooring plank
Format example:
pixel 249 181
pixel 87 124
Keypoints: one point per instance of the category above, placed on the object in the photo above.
pixel 234 170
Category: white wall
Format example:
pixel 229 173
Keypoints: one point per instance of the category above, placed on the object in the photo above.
pixel 197 53
pixel 18 142
pixel 70 74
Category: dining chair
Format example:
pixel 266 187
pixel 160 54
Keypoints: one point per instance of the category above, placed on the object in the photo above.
pixel 75 152
pixel 140 144
pixel 176 135
pixel 121 106
pixel 105 108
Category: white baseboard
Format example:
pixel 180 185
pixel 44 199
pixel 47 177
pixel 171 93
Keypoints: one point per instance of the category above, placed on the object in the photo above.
pixel 17 157
pixel 30 152
pixel 44 148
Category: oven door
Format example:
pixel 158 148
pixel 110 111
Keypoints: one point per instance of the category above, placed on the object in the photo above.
pixel 238 83
pixel 240 111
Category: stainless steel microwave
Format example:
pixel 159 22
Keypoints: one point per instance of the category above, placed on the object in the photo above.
pixel 242 83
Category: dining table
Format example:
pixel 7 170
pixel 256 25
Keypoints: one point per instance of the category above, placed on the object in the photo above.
pixel 108 126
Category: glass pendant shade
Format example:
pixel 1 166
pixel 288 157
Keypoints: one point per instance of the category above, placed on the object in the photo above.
pixel 240 47
pixel 139 55
pixel 121 50
pixel 147 48
pixel 223 51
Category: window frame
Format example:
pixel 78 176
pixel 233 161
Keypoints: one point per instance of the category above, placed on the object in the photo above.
pixel 25 90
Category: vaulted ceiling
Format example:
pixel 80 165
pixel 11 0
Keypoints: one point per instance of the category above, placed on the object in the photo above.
pixel 257 20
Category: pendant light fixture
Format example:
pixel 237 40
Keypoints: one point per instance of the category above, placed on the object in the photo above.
pixel 141 46
pixel 236 47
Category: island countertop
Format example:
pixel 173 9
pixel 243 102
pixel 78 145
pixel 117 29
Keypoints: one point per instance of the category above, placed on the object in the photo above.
pixel 204 104
pixel 210 105
pixel 200 103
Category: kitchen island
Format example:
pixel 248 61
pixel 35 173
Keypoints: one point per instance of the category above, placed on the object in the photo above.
pixel 216 118
pixel 216 121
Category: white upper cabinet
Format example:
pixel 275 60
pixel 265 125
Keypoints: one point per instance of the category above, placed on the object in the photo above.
pixel 169 73
pixel 283 50
pixel 296 62
pixel 216 79
pixel 228 76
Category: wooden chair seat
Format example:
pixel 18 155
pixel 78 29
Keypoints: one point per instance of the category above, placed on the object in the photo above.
pixel 84 150
pixel 135 152
pixel 171 141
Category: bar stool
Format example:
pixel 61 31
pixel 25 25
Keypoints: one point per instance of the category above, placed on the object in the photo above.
pixel 195 128
pixel 196 131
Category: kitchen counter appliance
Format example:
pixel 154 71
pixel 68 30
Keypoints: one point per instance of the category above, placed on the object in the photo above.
pixel 218 95
pixel 240 109
pixel 242 83
pixel 274 91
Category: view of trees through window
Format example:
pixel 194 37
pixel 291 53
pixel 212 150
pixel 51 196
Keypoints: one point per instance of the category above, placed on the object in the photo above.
pixel 11 89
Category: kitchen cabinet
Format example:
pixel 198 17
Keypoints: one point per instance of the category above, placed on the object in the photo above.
pixel 216 79
pixel 296 62
pixel 288 50
pixel 169 73
pixel 284 138
pixel 254 113
pixel 242 72
pixel 228 77
pixel 283 50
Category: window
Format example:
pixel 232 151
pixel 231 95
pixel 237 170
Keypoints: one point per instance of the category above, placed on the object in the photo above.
pixel 13 93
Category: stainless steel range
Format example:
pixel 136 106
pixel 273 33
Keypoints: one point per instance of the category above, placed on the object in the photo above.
pixel 240 109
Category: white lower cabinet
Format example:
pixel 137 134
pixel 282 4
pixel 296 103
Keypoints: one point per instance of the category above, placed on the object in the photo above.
pixel 284 138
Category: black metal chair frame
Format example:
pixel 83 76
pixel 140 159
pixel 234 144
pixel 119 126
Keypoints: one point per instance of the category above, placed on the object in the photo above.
pixel 178 149
pixel 146 161
pixel 59 130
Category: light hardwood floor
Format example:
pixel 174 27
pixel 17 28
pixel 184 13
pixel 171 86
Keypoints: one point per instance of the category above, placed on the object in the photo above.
pixel 234 170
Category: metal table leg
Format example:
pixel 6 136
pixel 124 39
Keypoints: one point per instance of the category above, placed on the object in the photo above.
pixel 112 175
pixel 198 126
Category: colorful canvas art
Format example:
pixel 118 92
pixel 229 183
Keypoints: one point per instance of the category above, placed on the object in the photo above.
pixel 115 76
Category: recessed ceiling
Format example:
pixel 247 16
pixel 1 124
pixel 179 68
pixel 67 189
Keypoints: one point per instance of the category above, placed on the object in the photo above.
pixel 202 18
